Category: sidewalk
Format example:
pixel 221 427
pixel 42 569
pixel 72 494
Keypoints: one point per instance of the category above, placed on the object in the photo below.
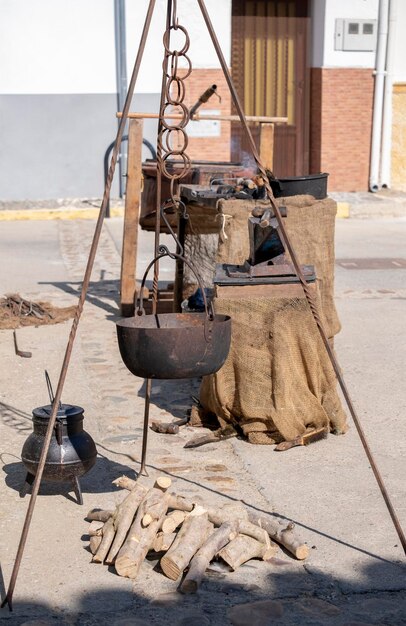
pixel 363 204
pixel 355 574
pixel 360 204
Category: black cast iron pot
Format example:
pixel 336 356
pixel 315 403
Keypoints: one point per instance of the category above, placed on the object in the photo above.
pixel 313 184
pixel 174 345
pixel 72 451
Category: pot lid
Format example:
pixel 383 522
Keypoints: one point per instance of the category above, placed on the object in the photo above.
pixel 64 411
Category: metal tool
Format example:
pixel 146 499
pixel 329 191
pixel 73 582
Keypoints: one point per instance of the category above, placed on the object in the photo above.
pixel 22 353
pixel 206 95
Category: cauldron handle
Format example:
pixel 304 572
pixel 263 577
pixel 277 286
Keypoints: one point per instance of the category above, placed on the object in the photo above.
pixel 163 252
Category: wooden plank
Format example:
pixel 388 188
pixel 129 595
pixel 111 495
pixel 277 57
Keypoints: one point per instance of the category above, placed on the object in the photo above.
pixel 196 118
pixel 131 218
pixel 266 144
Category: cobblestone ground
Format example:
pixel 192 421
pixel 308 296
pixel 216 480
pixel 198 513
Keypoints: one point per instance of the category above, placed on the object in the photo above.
pixel 57 582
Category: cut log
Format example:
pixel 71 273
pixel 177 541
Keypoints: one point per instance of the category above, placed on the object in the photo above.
pixel 283 532
pixel 163 483
pixel 140 539
pixel 107 540
pixel 165 428
pixel 94 543
pixel 95 529
pixel 200 562
pixel 251 530
pixel 242 549
pixel 190 538
pixel 180 503
pixel 227 513
pixel 172 521
pixel 280 531
pixel 99 515
pixel 124 517
pixel 163 542
pixel 125 483
pixel 153 504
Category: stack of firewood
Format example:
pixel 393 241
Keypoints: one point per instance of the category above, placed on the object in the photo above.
pixel 186 535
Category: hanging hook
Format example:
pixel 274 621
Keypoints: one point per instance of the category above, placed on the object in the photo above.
pixel 177 204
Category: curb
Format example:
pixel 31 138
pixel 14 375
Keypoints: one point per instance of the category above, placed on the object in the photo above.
pixel 343 210
pixel 56 214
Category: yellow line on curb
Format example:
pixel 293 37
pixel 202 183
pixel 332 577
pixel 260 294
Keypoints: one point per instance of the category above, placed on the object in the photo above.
pixel 56 214
pixel 343 210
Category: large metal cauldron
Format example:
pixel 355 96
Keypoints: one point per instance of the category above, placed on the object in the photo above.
pixel 72 451
pixel 174 345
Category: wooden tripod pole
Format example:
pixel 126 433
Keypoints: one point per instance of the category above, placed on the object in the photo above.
pixel 309 296
pixel 8 600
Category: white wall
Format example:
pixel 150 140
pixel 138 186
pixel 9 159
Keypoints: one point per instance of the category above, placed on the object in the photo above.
pixel 201 52
pixel 324 14
pixel 57 46
pixel 67 46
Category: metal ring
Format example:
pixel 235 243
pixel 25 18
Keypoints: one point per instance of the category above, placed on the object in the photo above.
pixel 176 176
pixel 167 36
pixel 180 87
pixel 167 138
pixel 180 123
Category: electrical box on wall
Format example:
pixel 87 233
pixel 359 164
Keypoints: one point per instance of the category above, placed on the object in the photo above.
pixel 352 35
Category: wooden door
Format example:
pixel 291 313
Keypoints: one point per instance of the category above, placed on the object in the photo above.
pixel 271 73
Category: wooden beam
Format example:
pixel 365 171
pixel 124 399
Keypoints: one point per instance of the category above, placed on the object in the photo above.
pixel 223 118
pixel 131 218
pixel 266 143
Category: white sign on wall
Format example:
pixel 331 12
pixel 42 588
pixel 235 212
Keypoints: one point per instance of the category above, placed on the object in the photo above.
pixel 205 128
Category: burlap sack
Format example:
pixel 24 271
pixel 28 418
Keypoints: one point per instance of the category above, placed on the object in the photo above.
pixel 310 224
pixel 277 381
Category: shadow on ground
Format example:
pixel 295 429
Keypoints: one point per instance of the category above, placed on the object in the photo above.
pixel 97 480
pixel 286 598
pixel 105 294
pixel 173 396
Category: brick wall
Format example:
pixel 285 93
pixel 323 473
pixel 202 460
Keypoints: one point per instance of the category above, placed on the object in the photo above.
pixel 399 137
pixel 209 148
pixel 340 126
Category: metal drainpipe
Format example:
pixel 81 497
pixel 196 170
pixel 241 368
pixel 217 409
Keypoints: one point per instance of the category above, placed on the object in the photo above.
pixel 388 100
pixel 121 77
pixel 378 95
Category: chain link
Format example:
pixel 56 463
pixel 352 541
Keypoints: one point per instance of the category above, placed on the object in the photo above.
pixel 172 138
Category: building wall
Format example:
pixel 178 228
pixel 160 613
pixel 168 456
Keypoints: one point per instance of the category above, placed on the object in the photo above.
pixel 341 126
pixel 209 141
pixel 53 145
pixel 342 84
pixel 58 87
pixel 399 137
pixel 398 161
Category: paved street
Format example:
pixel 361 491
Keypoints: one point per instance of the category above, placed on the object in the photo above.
pixel 356 570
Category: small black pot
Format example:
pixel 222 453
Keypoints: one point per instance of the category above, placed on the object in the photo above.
pixel 313 185
pixel 72 451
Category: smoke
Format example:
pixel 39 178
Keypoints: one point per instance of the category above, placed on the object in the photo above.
pixel 240 155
